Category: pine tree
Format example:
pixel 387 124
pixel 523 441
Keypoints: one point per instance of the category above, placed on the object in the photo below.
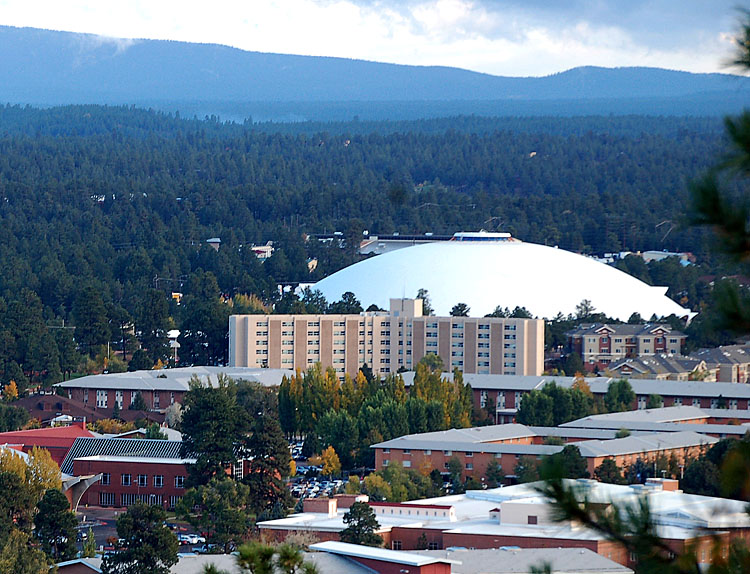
pixel 361 525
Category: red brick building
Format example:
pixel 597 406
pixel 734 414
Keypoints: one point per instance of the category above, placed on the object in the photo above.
pixel 505 444
pixel 127 480
pixel 518 516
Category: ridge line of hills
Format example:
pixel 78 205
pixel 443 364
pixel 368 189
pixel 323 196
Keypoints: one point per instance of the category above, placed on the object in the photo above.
pixel 43 67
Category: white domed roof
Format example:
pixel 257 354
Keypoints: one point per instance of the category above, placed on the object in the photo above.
pixel 545 280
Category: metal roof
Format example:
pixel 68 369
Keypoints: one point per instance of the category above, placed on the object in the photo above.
pixel 381 554
pixel 644 443
pixel 658 415
pixel 706 429
pixel 465 446
pixel 599 385
pixel 126 447
pixel 520 560
pixel 175 379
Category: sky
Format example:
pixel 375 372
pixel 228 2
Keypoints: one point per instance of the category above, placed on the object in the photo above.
pixel 500 37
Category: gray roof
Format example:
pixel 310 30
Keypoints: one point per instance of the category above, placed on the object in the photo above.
pixel 466 446
pixel 125 447
pixel 194 563
pixel 659 415
pixel 706 429
pixel 514 560
pixel 577 432
pixel 625 330
pixel 659 364
pixel 174 379
pixel 471 435
pixel 730 354
pixel 643 443
pixel 599 385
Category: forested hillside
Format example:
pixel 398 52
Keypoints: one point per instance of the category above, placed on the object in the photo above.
pixel 105 211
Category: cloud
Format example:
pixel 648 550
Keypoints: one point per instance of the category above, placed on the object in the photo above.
pixel 506 37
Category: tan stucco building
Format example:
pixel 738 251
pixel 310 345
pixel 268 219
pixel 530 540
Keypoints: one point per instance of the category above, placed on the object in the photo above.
pixel 387 341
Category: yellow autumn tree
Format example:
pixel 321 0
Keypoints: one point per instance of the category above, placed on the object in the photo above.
pixel 580 384
pixel 42 472
pixel 10 391
pixel 12 461
pixel 331 462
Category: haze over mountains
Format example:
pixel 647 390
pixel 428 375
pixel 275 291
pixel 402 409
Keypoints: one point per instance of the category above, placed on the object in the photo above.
pixel 42 67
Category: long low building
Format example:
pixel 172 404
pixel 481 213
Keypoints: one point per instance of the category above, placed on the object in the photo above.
pixel 387 341
pixel 518 516
pixel 505 444
pixel 158 388
pixel 506 392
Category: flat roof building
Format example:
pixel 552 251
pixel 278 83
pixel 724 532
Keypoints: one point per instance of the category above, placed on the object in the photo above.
pixel 519 516
pixel 387 341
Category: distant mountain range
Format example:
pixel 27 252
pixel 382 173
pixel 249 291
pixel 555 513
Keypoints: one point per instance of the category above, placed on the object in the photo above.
pixel 42 67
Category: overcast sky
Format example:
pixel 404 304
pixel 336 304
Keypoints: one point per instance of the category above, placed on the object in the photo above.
pixel 502 37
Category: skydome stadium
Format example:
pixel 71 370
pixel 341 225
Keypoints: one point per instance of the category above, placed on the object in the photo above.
pixel 485 270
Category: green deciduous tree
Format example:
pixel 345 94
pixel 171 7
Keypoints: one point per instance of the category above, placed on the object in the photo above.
pixel 620 396
pixel 18 556
pixel 654 401
pixel 220 509
pixel 424 295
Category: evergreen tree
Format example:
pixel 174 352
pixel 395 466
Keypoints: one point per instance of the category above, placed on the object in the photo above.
pixel 211 428
pixel 56 526
pixel 140 361
pixel 146 545
pixel 92 325
pixel 608 471
pixel 361 525
pixel 267 461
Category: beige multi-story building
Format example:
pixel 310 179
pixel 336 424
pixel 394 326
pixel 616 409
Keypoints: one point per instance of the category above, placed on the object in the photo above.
pixel 387 341
pixel 600 344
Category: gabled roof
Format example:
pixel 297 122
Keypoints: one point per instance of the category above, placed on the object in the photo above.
pixel 660 364
pixel 128 447
pixel 731 354
pixel 625 330
pixel 78 561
